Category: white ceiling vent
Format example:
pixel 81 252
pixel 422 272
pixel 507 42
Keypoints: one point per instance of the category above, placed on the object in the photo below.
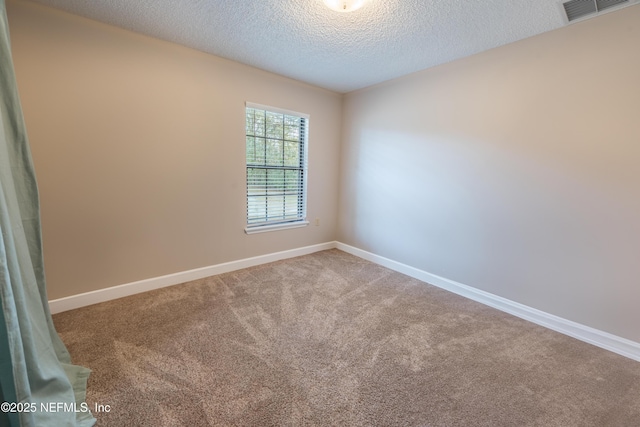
pixel 577 9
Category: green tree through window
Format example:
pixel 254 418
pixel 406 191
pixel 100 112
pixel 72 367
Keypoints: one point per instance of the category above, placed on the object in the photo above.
pixel 276 166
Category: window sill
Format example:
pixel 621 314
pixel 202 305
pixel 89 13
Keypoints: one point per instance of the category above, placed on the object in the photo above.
pixel 275 227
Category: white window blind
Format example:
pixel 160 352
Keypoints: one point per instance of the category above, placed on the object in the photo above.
pixel 276 158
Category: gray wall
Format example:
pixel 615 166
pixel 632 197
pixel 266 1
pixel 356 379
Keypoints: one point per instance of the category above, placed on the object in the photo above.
pixel 514 171
pixel 138 147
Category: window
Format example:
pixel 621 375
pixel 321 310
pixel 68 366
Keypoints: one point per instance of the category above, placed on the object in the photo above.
pixel 276 157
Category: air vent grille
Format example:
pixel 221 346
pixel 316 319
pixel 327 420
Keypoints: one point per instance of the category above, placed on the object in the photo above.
pixel 604 4
pixel 576 9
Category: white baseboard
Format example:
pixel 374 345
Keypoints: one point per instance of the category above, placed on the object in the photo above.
pixel 584 333
pixel 621 346
pixel 102 295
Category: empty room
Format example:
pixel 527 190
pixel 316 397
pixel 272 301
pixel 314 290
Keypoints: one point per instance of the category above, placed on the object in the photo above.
pixel 320 213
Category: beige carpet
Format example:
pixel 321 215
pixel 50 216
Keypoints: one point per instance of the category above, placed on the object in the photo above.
pixel 329 339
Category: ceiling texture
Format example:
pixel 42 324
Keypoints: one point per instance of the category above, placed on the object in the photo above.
pixel 342 52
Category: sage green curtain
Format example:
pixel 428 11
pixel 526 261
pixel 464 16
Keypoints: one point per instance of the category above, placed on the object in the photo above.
pixel 35 367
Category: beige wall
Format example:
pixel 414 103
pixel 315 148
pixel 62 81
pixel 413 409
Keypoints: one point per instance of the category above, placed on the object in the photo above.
pixel 514 171
pixel 138 147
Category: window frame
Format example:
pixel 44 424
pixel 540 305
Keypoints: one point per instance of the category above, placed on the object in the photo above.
pixel 301 219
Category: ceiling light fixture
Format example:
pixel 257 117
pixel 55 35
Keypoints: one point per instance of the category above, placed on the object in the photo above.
pixel 344 5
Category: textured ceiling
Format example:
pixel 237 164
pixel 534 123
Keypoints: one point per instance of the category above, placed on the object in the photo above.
pixel 306 41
